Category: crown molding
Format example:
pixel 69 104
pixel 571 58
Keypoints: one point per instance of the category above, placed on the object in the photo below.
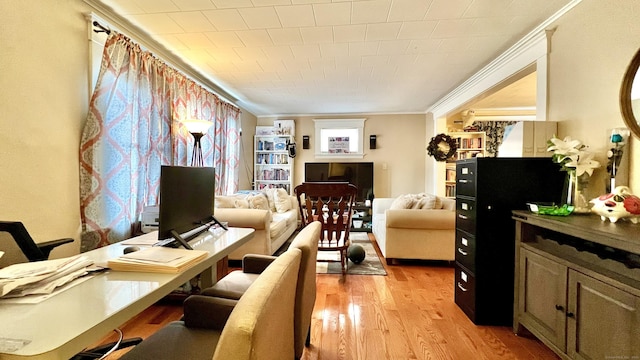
pixel 531 49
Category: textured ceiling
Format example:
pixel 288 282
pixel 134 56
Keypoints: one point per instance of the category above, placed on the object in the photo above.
pixel 286 57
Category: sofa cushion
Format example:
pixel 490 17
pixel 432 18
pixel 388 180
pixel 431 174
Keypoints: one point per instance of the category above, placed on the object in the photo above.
pixel 290 217
pixel 277 227
pixel 282 200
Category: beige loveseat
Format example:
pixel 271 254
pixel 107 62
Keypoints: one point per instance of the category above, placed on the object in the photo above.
pixel 415 226
pixel 273 213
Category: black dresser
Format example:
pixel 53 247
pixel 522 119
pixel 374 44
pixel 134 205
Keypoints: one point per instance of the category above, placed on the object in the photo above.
pixel 488 189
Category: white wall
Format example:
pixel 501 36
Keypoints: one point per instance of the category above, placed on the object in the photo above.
pixel 43 101
pixel 398 159
pixel 591 49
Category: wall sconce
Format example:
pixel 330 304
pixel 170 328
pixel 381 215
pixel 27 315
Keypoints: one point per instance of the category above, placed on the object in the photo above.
pixel 305 142
pixel 372 142
pixel 197 128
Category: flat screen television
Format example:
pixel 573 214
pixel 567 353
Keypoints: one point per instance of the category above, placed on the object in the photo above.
pixel 359 174
pixel 187 196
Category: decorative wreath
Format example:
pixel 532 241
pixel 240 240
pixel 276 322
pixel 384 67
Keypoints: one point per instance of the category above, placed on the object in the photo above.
pixel 442 147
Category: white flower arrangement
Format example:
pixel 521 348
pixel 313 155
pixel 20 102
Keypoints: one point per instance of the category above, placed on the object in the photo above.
pixel 572 155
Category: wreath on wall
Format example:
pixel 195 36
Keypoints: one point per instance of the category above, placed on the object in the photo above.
pixel 442 147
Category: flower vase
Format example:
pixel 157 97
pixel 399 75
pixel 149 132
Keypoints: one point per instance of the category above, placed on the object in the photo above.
pixel 575 192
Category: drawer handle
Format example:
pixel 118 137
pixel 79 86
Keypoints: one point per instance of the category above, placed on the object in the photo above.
pixel 463 181
pixel 464 217
pixel 560 307
pixel 463 252
pixel 462 287
pixel 570 315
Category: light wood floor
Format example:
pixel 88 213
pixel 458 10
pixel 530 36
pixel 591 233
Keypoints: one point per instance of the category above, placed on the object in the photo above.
pixel 408 314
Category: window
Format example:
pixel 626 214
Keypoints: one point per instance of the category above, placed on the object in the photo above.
pixel 342 138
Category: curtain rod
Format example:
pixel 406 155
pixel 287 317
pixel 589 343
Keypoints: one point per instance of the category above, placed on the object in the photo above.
pixel 100 28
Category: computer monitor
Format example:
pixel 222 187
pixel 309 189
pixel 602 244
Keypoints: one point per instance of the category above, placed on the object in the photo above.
pixel 187 196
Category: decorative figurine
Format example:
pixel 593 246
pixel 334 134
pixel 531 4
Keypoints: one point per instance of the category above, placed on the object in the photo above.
pixel 617 205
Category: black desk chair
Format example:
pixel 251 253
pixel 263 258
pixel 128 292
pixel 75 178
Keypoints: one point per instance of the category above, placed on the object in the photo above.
pixel 32 250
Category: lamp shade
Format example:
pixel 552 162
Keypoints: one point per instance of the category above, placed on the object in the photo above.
pixel 196 126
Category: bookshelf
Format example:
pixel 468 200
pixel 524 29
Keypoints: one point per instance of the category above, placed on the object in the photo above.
pixel 272 166
pixel 470 145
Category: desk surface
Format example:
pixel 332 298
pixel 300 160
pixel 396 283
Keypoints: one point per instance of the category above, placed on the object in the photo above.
pixel 66 323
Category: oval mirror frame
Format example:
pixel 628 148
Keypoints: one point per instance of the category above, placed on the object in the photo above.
pixel 630 119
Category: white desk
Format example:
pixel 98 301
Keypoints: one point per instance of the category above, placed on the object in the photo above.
pixel 66 323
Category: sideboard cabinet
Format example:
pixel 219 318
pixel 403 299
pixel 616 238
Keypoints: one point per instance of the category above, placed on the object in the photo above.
pixel 577 285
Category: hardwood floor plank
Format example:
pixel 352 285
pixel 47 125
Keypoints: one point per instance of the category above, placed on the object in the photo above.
pixel 408 314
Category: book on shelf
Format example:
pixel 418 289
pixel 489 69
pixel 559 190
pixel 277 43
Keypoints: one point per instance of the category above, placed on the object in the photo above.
pixel 157 259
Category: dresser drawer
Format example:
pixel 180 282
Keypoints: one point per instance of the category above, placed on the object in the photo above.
pixel 466 178
pixel 465 295
pixel 466 250
pixel 466 214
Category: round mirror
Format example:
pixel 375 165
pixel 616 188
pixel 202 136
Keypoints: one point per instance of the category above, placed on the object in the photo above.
pixel 630 96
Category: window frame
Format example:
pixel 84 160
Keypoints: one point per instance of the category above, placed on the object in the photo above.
pixel 338 124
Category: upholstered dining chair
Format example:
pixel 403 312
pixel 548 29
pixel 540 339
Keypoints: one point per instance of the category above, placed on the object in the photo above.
pixel 259 326
pixel 236 283
pixel 330 203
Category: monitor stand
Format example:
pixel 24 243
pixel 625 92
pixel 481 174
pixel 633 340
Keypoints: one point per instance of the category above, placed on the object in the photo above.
pixel 213 218
pixel 181 240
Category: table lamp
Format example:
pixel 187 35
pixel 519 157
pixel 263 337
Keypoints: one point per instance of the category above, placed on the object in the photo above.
pixel 197 128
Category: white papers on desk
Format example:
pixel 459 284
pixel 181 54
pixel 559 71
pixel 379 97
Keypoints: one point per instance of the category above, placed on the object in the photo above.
pixel 41 277
pixel 157 259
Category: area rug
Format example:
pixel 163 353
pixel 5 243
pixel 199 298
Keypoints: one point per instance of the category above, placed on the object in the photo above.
pixel 371 265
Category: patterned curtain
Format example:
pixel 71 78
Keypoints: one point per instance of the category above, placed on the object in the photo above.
pixel 495 134
pixel 130 132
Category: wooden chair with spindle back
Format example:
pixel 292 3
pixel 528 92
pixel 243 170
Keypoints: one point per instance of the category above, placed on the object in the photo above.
pixel 330 203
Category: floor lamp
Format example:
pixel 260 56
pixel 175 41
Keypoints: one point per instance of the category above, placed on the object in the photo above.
pixel 197 128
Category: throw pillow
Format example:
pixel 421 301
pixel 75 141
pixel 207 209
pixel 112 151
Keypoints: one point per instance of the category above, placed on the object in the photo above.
pixel 281 200
pixel 270 194
pixel 225 202
pixel 258 202
pixel 403 202
pixel 242 204
pixel 426 201
pixel 439 204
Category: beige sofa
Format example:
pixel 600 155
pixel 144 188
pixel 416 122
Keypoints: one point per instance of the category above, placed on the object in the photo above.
pixel 417 226
pixel 272 213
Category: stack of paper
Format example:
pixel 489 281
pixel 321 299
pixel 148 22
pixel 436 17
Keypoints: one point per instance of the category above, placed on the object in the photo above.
pixel 157 259
pixel 41 277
